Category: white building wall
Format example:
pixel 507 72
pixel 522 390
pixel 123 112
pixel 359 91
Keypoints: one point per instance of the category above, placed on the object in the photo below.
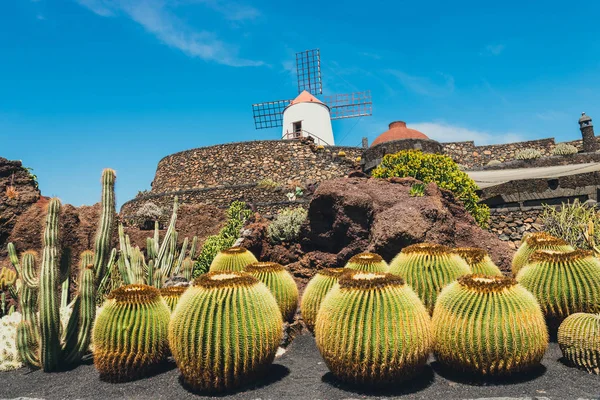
pixel 316 122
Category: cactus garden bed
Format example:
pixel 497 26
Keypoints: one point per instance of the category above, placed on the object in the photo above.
pixel 300 373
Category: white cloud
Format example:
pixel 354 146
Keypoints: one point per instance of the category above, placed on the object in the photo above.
pixel 424 85
pixel 492 50
pixel 443 132
pixel 154 16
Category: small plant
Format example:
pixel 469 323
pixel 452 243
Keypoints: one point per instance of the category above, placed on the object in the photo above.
pixel 233 259
pixel 493 163
pixel 341 154
pixel 528 154
pixel 11 190
pixel 579 341
pixel 564 149
pixel 281 284
pixel 367 262
pixel 479 261
pixel 32 176
pixel 571 221
pixel 417 190
pixel 225 331
pixel 320 147
pixel 427 268
pixel 351 323
pixel 268 184
pixel 315 291
pixel 534 242
pixel 286 227
pixel 488 325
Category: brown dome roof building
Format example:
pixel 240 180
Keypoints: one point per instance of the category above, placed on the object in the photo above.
pixel 398 137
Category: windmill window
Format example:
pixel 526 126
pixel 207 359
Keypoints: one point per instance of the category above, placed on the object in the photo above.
pixel 297 127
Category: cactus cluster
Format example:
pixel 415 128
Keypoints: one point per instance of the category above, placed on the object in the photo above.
pixel 372 329
pixel 534 242
pixel 225 331
pixel 171 295
pixel 579 341
pixel 488 325
pixel 8 278
pixel 563 282
pixel 281 284
pixel 315 291
pixel 427 268
pixel 564 149
pixel 130 333
pixel 479 261
pixel 232 259
pixel 367 262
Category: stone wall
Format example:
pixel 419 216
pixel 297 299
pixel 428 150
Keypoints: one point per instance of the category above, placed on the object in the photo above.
pixel 373 155
pixel 511 225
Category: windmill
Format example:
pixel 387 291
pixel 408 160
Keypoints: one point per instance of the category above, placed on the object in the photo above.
pixel 306 115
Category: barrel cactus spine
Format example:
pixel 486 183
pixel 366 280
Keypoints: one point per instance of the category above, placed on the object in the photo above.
pixel 130 333
pixel 171 295
pixel 533 242
pixel 221 348
pixel 488 326
pixel 232 259
pixel 351 323
pixel 315 291
pixel 563 283
pixel 427 268
pixel 579 341
pixel 479 261
pixel 281 284
pixel 368 262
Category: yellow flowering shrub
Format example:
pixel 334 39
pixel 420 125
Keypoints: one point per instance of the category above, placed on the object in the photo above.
pixel 436 168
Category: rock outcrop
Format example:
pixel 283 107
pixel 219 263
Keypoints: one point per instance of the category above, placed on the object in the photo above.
pixel 350 215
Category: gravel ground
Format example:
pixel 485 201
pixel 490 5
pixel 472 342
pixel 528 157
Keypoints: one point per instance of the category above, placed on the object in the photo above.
pixel 301 374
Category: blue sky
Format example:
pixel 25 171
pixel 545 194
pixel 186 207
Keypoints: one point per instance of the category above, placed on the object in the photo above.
pixel 89 84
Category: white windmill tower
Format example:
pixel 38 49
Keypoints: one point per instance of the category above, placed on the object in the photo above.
pixel 306 115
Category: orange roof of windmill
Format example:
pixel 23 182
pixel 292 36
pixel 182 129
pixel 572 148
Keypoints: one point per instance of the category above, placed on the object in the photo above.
pixel 305 97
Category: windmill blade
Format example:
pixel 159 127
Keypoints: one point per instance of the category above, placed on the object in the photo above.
pixel 269 114
pixel 350 105
pixel 308 68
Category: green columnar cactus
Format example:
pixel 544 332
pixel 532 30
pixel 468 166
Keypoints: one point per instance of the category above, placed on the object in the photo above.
pixel 130 333
pixel 367 262
pixel 488 325
pixel 225 331
pixel 579 341
pixel 102 241
pixel 281 284
pixel 171 295
pixel 232 259
pixel 314 293
pixel 187 268
pixel 479 261
pixel 427 268
pixel 563 282
pixel 533 242
pixel 373 329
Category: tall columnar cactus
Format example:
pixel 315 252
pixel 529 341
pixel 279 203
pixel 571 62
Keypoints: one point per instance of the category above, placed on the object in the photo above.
pixel 488 325
pixel 130 333
pixel 225 331
pixel 479 261
pixel 427 268
pixel 579 341
pixel 373 329
pixel 106 226
pixel 563 282
pixel 368 262
pixel 315 291
pixel 281 284
pixel 172 294
pixel 534 242
pixel 232 259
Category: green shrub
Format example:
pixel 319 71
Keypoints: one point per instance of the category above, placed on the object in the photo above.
pixel 417 190
pixel 570 221
pixel 493 163
pixel 286 227
pixel 439 169
pixel 237 215
pixel 527 154
pixel 564 149
pixel 268 184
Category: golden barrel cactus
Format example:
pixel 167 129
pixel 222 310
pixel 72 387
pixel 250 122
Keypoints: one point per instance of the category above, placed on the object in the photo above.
pixel 563 283
pixel 225 331
pixel 314 293
pixel 171 295
pixel 479 261
pixel 281 284
pixel 373 329
pixel 534 242
pixel 130 333
pixel 488 325
pixel 232 259
pixel 427 268
pixel 579 341
pixel 367 262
